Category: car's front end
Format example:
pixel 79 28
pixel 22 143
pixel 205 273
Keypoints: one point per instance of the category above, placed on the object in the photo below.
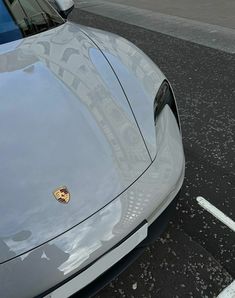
pixel 66 264
pixel 87 120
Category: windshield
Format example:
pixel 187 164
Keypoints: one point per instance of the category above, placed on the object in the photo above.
pixel 22 18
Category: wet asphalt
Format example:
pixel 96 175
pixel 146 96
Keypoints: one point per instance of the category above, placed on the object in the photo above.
pixel 195 257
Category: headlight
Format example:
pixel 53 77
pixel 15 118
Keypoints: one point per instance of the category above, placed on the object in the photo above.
pixel 165 97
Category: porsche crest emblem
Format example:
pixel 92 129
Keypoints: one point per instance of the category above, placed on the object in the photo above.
pixel 62 195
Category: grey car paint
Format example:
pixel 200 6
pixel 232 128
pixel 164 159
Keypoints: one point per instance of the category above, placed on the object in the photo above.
pixel 62 98
pixel 58 259
pixel 138 75
pixel 64 120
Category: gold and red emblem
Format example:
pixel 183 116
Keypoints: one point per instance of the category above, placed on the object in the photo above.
pixel 62 194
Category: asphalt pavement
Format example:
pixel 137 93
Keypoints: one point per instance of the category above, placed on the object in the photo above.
pixel 206 31
pixel 215 12
pixel 210 11
pixel 195 257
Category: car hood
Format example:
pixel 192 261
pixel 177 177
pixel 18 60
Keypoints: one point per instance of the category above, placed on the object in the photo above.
pixel 64 121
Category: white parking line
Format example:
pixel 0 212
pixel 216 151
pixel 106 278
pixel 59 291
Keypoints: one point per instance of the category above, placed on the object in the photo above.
pixel 216 213
pixel 228 292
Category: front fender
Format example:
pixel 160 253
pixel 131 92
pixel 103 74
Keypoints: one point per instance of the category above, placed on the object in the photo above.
pixel 139 77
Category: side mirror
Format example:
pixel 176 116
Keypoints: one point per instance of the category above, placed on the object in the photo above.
pixel 65 7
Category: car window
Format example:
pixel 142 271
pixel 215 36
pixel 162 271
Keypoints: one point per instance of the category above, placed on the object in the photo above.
pixel 22 18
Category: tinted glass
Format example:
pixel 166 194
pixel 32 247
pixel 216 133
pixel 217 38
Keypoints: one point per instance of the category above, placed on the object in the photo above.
pixel 22 18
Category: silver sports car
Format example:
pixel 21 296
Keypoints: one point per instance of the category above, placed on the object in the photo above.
pixel 91 151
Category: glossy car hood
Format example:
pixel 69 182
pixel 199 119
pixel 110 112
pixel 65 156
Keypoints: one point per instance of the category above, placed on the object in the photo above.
pixel 64 120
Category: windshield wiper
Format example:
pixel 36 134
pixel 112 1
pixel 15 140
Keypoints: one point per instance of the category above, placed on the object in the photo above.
pixel 36 26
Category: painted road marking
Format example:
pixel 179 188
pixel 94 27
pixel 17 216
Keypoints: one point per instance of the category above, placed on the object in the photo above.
pixel 216 213
pixel 228 292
